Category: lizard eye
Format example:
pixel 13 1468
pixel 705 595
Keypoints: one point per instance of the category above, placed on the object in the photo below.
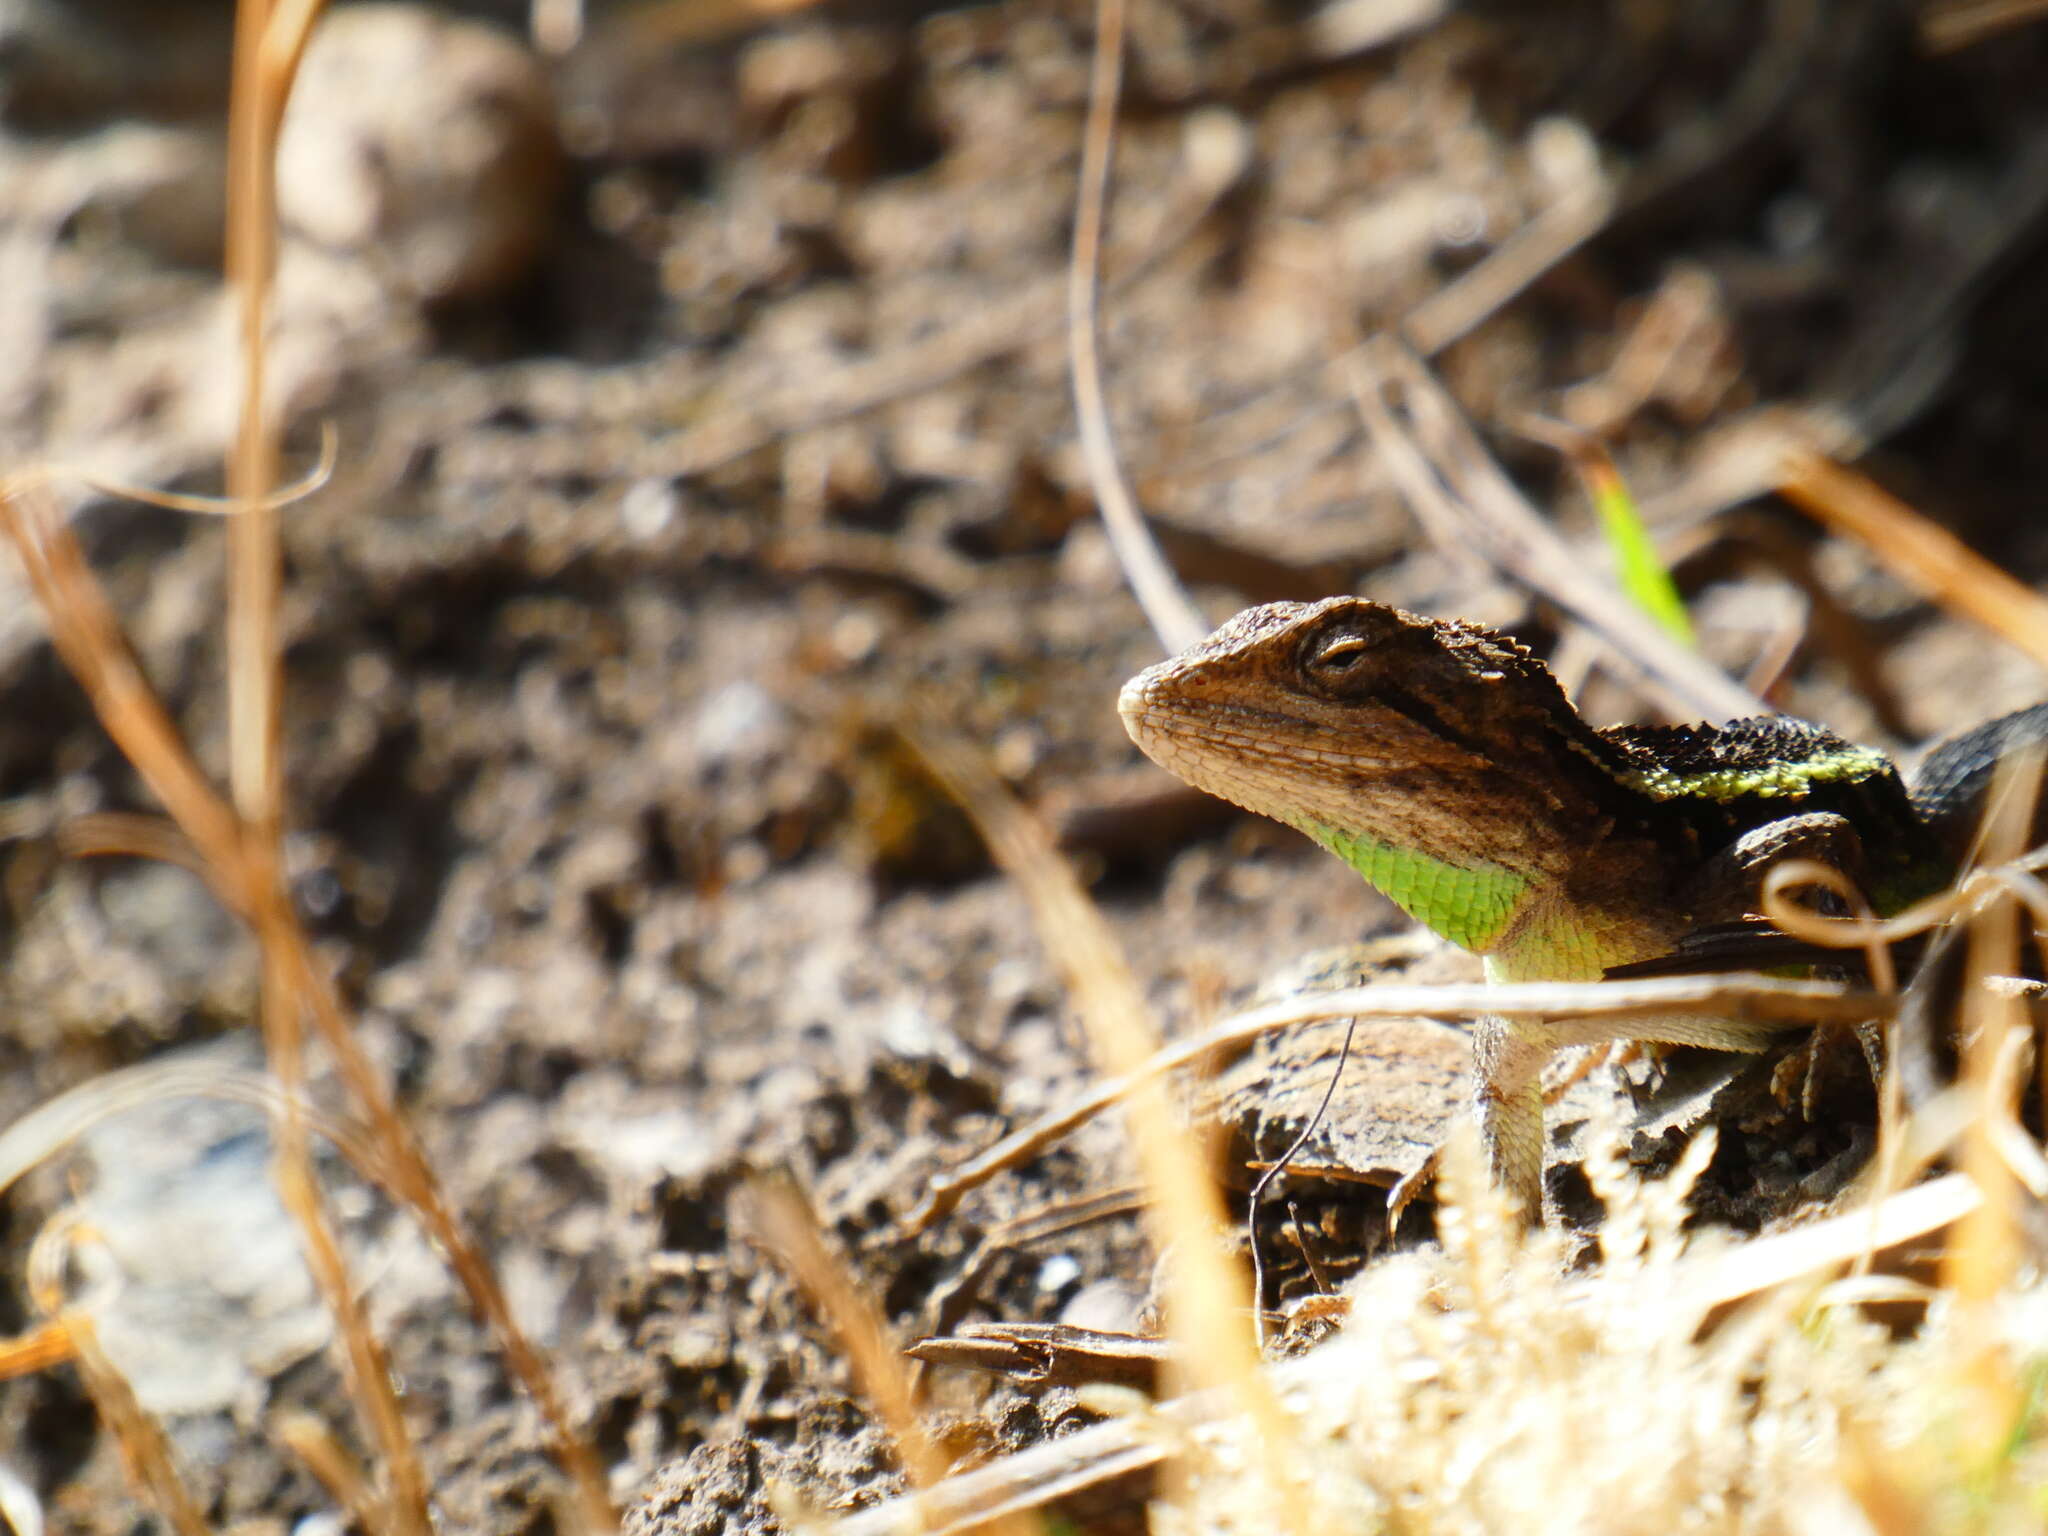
pixel 1331 658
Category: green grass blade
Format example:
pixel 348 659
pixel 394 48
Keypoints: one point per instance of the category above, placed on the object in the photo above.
pixel 1643 576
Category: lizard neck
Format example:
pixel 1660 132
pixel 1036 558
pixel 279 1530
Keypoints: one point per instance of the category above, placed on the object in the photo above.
pixel 1560 941
pixel 1530 924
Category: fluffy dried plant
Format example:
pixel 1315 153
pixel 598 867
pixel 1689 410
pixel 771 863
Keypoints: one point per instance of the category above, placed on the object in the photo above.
pixel 1489 1385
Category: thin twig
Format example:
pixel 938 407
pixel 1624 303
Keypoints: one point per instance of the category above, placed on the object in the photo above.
pixel 1251 1214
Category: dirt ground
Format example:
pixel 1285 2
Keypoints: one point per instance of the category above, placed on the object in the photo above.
pixel 709 422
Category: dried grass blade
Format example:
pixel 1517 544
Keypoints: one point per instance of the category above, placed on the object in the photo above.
pixel 368 1366
pixel 47 1344
pixel 412 1180
pixel 88 637
pixel 1172 616
pixel 1752 998
pixel 1208 1304
pixel 1835 1242
pixel 329 1460
pixel 782 1221
pixel 124 834
pixel 1924 555
pixel 1989 1247
pixel 1440 463
pixel 145 1453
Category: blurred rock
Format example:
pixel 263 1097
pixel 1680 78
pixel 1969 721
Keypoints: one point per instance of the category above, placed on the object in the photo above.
pixel 159 190
pixel 67 62
pixel 423 144
pixel 195 1280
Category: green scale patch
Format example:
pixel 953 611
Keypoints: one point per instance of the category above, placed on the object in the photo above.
pixel 1770 780
pixel 1773 758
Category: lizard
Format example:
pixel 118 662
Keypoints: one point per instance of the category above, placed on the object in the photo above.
pixel 1443 762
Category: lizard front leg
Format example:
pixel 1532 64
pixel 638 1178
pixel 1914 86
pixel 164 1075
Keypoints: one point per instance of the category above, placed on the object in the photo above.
pixel 1509 1055
pixel 1730 885
pixel 1507 1088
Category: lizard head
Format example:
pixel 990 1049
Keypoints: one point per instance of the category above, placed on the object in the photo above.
pixel 1440 759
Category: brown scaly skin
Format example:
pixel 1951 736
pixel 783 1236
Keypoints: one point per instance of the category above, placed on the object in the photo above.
pixel 1444 763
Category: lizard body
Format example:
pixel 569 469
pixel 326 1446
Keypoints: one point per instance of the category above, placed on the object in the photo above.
pixel 1443 762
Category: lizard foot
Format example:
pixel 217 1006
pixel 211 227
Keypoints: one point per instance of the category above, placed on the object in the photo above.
pixel 1803 1069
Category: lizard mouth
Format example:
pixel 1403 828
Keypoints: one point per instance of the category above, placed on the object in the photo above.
pixel 1234 750
pixel 1171 731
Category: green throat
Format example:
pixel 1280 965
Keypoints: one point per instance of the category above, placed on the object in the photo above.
pixel 1471 907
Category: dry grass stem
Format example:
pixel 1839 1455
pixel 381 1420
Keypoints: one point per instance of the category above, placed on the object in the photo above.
pixel 1440 463
pixel 1208 1304
pixel 1922 554
pixel 269 41
pixel 88 638
pixel 1172 615
pixel 329 1460
pixel 1889 1170
pixel 1835 1242
pixel 180 501
pixel 239 850
pixel 1754 999
pixel 144 1450
pixel 367 1367
pixel 267 47
pixel 1989 1246
pixel 53 1125
pixel 145 1453
pixel 46 1344
pixel 1802 922
pixel 1683 1384
pixel 240 847
pixel 781 1219
pixel 124 834
pixel 1947 25
pixel 412 1180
